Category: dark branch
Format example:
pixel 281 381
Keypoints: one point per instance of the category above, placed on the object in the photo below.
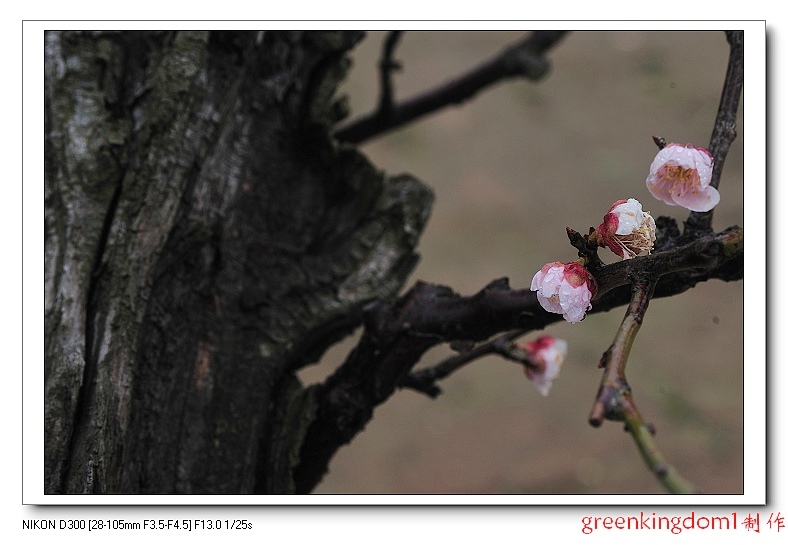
pixel 397 334
pixel 724 132
pixel 424 379
pixel 387 67
pixel 678 265
pixel 525 59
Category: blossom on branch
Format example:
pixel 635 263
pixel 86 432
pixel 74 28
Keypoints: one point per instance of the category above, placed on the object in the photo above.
pixel 544 358
pixel 680 176
pixel 627 230
pixel 565 288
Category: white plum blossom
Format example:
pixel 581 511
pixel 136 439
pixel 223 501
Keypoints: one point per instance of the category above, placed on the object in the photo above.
pixel 545 357
pixel 565 288
pixel 627 230
pixel 680 176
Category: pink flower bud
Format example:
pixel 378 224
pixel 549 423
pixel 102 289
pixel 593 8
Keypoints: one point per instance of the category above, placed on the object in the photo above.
pixel 627 230
pixel 565 288
pixel 680 176
pixel 545 356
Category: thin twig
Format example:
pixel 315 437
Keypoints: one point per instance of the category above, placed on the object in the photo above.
pixel 724 132
pixel 424 379
pixel 614 399
pixel 387 67
pixel 614 390
pixel 668 476
pixel 525 59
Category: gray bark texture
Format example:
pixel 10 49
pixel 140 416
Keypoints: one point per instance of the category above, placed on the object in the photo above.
pixel 205 237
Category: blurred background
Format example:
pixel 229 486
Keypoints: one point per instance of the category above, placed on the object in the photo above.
pixel 511 168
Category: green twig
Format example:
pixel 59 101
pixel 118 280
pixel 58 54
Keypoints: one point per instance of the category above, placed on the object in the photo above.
pixel 668 476
pixel 614 398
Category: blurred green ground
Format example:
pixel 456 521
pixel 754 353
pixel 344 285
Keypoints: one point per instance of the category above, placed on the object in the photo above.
pixel 511 169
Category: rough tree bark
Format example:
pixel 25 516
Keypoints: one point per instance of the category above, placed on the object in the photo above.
pixel 205 238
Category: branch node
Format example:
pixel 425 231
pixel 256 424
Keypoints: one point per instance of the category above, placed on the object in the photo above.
pixel 586 246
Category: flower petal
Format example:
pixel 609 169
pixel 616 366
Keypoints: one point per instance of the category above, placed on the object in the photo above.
pixel 575 301
pixel 702 201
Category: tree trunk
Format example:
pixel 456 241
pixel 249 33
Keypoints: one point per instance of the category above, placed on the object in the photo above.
pixel 205 237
